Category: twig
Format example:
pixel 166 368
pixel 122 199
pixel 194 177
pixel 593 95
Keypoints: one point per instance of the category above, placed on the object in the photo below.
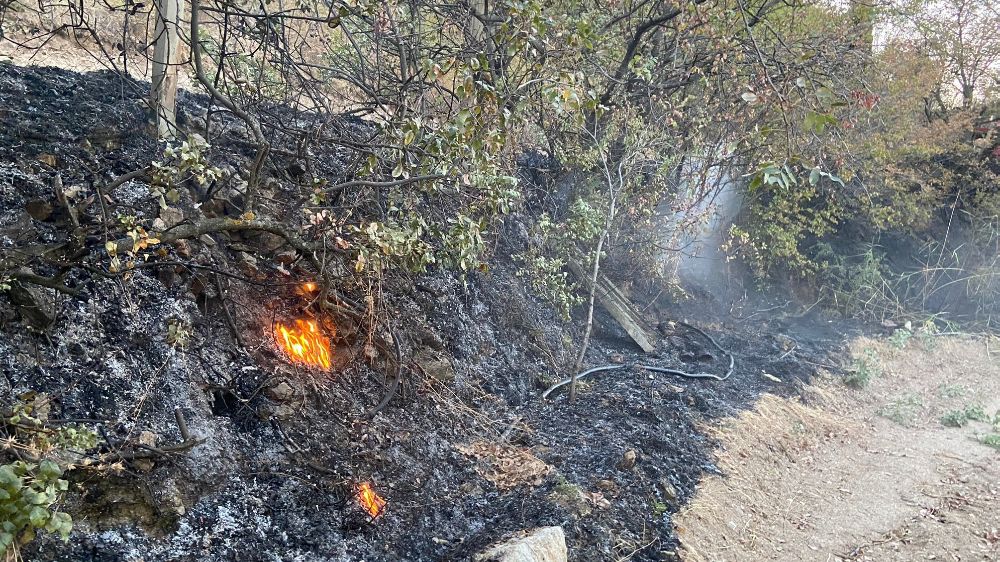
pixel 181 424
pixel 229 315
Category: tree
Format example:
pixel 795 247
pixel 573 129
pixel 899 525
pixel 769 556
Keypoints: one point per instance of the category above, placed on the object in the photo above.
pixel 166 50
pixel 961 35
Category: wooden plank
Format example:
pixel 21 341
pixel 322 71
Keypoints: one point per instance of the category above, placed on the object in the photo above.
pixel 614 301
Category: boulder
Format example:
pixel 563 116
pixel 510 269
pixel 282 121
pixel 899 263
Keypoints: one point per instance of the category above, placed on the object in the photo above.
pixel 545 544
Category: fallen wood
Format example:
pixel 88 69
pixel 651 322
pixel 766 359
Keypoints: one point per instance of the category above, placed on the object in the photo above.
pixel 614 301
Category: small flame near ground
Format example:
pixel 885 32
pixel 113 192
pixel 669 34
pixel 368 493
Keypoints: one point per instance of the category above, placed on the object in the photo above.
pixel 303 342
pixel 372 502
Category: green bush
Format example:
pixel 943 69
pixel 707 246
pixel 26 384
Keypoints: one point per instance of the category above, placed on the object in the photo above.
pixel 32 486
pixel 28 492
pixel 863 370
pixel 959 418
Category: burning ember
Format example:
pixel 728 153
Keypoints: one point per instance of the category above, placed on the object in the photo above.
pixel 304 343
pixel 372 502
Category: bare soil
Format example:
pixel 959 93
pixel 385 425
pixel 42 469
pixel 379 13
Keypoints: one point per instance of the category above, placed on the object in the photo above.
pixel 870 474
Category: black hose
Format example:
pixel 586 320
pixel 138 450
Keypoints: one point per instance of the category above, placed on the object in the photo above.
pixel 678 372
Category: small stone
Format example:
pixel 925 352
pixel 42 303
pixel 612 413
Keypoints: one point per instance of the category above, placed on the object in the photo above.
pixel 39 209
pixel 429 337
pixel 545 544
pixel 281 392
pixel 183 248
pixel 286 258
pixel 668 491
pixel 36 304
pixel 608 486
pixel 148 438
pixel 171 216
pixel 248 264
pixel 628 460
pixel 435 365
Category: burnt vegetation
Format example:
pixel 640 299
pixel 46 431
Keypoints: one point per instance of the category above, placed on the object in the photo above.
pixel 306 304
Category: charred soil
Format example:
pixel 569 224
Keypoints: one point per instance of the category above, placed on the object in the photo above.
pixel 465 453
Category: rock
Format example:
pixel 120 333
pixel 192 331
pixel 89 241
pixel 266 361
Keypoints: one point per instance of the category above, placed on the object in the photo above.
pixel 248 265
pixel 280 411
pixel 39 209
pixel 668 491
pixel 429 337
pixel 608 487
pixel 435 365
pixel 286 258
pixel 36 304
pixel 628 460
pixel 281 392
pixel 545 544
pixel 148 439
pixel 171 216
pixel 268 242
pixel 183 248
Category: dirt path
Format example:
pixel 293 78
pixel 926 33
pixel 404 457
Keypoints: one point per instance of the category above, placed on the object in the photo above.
pixel 870 474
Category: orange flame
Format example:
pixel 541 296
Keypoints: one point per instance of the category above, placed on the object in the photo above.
pixel 304 343
pixel 371 501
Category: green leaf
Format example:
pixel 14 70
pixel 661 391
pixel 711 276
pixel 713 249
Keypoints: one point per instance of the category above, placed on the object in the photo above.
pixel 814 176
pixel 49 469
pixel 38 516
pixel 61 523
pixel 825 95
pixel 817 122
pixel 8 479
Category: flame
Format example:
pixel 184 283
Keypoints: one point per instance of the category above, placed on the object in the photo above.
pixel 372 502
pixel 309 287
pixel 304 343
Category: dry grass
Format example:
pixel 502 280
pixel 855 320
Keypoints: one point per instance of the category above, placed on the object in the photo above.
pixel 828 477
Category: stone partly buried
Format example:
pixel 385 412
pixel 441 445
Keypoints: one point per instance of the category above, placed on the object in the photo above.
pixel 544 544
pixel 434 364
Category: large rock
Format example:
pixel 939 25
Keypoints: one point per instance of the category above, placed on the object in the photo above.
pixel 545 544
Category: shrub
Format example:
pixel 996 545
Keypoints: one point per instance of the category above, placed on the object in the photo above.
pixel 863 370
pixel 32 485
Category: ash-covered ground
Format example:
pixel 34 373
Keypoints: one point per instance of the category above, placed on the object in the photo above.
pixel 466 453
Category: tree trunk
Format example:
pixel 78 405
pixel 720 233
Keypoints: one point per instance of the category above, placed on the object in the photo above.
pixel 595 273
pixel 166 47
